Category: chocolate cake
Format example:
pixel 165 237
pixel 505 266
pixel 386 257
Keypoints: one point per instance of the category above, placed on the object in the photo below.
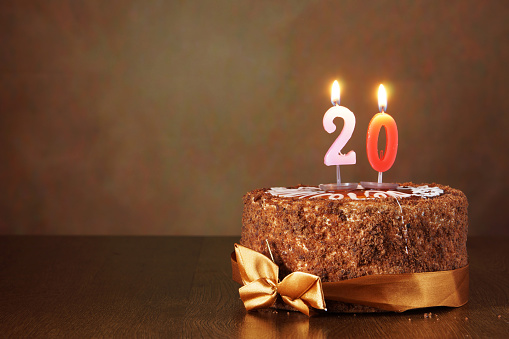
pixel 349 234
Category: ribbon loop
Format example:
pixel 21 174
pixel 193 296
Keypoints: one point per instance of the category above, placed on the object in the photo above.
pixel 304 286
pixel 253 265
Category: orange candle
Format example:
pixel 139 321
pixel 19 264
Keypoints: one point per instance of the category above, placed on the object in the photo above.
pixel 384 161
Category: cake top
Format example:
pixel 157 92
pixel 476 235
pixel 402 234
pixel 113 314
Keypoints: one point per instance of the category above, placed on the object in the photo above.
pixel 408 193
pixel 313 192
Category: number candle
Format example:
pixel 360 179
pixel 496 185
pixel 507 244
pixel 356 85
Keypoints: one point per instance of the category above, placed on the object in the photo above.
pixel 334 155
pixel 383 162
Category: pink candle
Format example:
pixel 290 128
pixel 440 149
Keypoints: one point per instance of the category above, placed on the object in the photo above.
pixel 334 155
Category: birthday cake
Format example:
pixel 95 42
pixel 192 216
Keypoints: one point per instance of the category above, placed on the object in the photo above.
pixel 349 234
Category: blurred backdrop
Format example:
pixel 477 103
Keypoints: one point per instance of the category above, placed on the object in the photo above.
pixel 155 117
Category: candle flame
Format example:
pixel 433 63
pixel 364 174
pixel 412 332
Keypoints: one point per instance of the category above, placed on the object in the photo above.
pixel 334 97
pixel 382 99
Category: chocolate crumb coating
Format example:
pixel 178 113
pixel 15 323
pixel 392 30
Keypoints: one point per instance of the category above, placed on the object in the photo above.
pixel 345 239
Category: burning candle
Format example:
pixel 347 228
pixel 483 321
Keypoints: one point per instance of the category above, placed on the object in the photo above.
pixel 385 160
pixel 334 155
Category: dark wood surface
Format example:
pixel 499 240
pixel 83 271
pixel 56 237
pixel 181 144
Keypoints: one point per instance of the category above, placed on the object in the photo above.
pixel 67 286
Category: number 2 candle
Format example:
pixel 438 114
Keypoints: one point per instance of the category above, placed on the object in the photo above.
pixel 334 155
pixel 385 160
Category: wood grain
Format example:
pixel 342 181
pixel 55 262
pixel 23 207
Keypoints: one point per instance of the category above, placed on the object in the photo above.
pixel 58 286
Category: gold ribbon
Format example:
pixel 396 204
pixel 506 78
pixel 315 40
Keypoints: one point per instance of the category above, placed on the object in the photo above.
pixel 390 292
pixel 259 275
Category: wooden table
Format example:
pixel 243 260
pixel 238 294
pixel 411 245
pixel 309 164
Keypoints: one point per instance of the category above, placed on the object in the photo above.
pixel 83 286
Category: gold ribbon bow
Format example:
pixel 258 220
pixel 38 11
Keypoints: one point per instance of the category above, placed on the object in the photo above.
pixel 261 284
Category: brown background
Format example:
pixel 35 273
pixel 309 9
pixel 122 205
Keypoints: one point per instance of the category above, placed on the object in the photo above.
pixel 155 117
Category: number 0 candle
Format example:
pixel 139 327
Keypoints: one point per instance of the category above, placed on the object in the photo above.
pixel 385 160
